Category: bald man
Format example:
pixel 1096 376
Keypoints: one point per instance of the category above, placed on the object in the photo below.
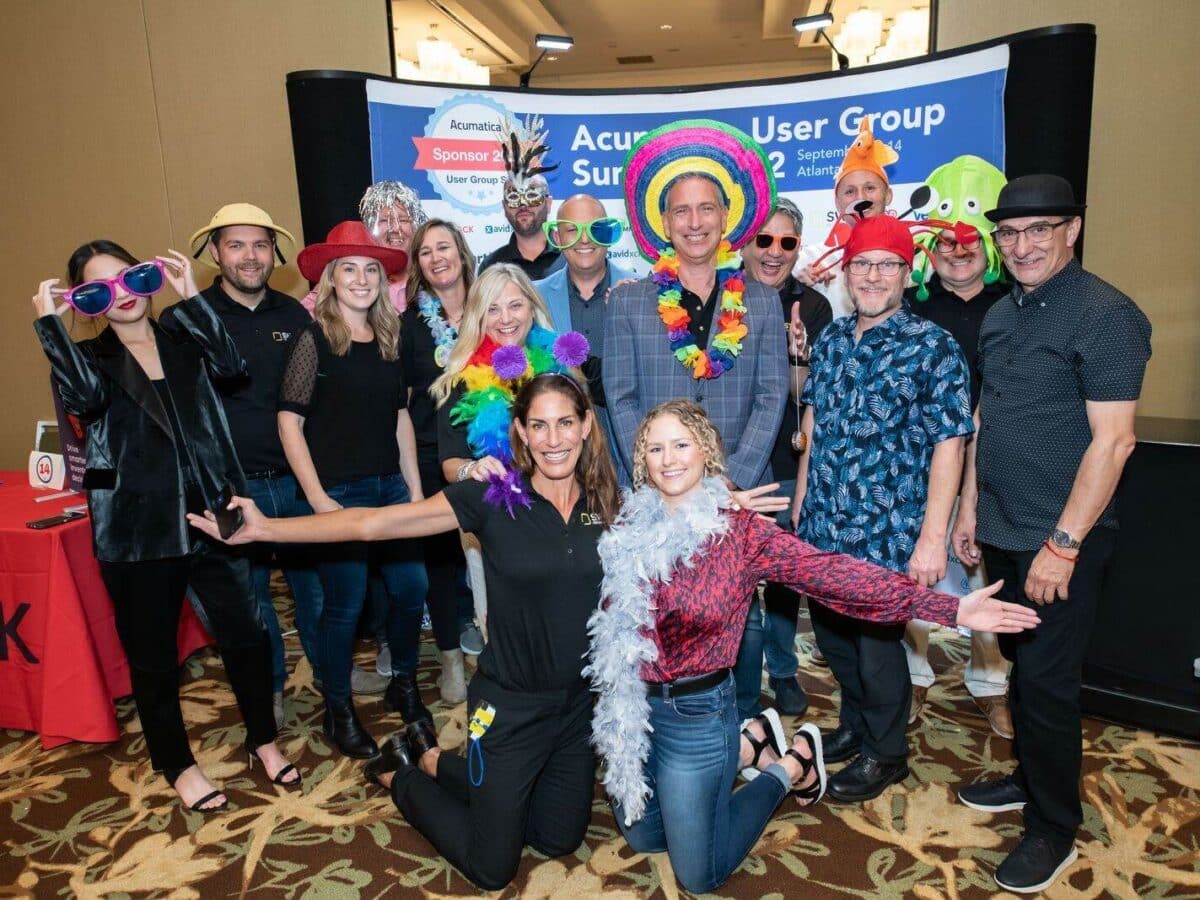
pixel 578 293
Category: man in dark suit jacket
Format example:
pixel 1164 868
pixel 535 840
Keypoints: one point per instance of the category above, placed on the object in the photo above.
pixel 746 401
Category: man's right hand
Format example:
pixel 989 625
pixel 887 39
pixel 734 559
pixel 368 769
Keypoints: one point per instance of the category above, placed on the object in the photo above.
pixel 962 535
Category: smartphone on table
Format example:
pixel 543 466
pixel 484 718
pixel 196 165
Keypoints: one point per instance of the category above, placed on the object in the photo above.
pixel 51 521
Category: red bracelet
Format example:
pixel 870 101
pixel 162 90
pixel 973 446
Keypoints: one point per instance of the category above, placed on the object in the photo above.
pixel 1050 547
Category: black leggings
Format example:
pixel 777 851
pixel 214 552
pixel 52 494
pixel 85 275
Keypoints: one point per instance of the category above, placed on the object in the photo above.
pixel 537 785
pixel 446 569
pixel 146 597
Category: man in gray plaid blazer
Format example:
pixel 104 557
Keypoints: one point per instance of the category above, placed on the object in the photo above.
pixel 746 402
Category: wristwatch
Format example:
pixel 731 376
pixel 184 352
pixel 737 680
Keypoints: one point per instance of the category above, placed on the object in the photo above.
pixel 1063 540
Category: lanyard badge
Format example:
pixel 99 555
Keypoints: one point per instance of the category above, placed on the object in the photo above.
pixel 481 721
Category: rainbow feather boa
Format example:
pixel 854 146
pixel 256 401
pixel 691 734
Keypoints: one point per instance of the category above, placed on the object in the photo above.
pixel 492 377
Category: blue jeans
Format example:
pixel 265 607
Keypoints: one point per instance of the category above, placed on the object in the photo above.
pixel 693 813
pixel 770 631
pixel 344 570
pixel 279 497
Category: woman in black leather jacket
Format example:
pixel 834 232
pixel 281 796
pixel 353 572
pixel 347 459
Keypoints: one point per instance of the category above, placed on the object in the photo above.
pixel 158 447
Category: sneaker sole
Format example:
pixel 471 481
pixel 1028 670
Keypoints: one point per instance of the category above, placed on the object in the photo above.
pixel 814 734
pixel 999 807
pixel 1041 886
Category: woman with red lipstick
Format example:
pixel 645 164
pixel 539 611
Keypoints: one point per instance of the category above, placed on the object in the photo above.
pixel 158 448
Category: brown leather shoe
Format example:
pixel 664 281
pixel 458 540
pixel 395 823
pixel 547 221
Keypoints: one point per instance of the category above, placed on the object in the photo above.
pixel 998 716
pixel 918 703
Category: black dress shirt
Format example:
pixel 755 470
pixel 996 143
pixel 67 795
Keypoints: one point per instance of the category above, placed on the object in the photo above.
pixel 962 318
pixel 587 317
pixel 700 312
pixel 543 265
pixel 261 335
pixel 1043 355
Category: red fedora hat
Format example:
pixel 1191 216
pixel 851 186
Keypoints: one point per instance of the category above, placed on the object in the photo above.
pixel 349 238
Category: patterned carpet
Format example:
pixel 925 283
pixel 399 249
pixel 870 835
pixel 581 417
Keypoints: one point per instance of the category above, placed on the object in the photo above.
pixel 94 821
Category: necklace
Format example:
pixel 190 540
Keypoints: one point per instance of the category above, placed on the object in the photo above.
pixel 726 344
pixel 444 334
pixel 799 438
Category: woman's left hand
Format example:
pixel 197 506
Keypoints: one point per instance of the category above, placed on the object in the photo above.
pixel 981 611
pixel 178 269
pixel 760 500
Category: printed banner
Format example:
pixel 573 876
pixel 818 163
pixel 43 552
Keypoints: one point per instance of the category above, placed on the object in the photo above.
pixel 442 141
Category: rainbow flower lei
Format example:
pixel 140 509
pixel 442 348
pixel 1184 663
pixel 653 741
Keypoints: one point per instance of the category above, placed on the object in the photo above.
pixel 492 377
pixel 726 344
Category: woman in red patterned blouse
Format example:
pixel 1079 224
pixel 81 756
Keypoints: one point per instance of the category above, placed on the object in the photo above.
pixel 680 564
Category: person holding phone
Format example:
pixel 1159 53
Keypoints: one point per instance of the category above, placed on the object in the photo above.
pixel 345 428
pixel 158 448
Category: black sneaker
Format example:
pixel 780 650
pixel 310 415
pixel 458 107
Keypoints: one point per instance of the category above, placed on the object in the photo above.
pixel 1001 795
pixel 1034 865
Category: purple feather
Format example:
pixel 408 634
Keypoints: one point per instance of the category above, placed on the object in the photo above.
pixel 571 349
pixel 507 492
pixel 509 362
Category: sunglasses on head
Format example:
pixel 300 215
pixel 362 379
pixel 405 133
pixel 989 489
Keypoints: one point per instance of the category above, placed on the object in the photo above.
pixel 787 242
pixel 515 198
pixel 95 298
pixel 562 234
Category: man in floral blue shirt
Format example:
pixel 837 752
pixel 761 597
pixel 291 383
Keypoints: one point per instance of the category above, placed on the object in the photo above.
pixel 889 409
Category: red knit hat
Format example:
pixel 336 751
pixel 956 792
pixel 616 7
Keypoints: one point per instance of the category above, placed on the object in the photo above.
pixel 882 232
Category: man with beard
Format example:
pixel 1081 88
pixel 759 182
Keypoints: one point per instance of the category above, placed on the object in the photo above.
pixel 526 206
pixel 888 412
pixel 243 243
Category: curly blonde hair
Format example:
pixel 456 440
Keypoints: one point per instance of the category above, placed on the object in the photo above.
pixel 692 417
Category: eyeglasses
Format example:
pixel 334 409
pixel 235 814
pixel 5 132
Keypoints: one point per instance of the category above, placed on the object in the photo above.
pixel 787 242
pixel 1038 232
pixel 564 233
pixel 95 298
pixel 515 198
pixel 947 246
pixel 887 268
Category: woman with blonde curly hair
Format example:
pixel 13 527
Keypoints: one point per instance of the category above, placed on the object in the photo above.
pixel 681 563
pixel 344 425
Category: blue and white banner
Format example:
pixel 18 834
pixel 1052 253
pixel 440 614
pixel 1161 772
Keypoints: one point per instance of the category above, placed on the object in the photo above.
pixel 442 141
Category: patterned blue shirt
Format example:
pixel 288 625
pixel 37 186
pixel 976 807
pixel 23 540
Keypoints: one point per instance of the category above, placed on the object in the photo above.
pixel 879 408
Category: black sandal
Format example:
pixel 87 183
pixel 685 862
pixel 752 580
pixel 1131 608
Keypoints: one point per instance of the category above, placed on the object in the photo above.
pixel 772 737
pixel 252 754
pixel 392 756
pixel 809 795
pixel 172 776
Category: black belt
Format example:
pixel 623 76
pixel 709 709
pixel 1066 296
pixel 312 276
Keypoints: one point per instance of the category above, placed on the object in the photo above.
pixel 269 473
pixel 684 686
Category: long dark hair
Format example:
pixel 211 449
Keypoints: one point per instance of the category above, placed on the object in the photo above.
pixel 594 471
pixel 101 247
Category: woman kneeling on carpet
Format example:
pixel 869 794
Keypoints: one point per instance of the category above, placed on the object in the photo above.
pixel 681 563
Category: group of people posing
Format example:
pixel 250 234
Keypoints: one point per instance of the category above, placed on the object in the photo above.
pixel 581 471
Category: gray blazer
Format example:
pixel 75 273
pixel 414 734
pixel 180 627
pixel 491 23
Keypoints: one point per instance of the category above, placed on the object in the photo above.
pixel 746 403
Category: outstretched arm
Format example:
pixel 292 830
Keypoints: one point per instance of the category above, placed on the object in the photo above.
pixel 402 520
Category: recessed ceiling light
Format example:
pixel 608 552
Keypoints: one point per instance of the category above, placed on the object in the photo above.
pixel 551 59
pixel 664 27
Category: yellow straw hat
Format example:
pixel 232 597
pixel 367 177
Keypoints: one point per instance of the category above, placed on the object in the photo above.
pixel 242 214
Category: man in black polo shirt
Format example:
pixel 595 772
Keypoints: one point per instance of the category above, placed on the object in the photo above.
pixel 243 242
pixel 526 206
pixel 769 260
pixel 1062 359
pixel 958 300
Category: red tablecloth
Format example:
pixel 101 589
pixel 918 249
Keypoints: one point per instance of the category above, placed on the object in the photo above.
pixel 61 664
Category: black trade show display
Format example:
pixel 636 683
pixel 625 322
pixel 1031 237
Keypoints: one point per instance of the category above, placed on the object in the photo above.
pixel 1140 666
pixel 1047 111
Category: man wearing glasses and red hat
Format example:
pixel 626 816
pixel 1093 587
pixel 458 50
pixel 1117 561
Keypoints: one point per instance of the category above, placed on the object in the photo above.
pixel 888 413
pixel 1062 358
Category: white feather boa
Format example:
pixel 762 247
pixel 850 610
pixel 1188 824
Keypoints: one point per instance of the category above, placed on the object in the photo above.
pixel 643 546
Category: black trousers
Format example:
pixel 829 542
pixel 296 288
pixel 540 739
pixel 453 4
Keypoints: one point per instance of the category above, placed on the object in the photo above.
pixel 1045 681
pixel 446 569
pixel 867 659
pixel 537 783
pixel 146 597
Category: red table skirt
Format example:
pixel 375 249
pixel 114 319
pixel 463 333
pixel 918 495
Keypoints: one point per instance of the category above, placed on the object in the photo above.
pixel 61 664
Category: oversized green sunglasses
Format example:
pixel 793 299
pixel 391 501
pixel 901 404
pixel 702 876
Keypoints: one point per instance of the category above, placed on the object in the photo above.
pixel 564 233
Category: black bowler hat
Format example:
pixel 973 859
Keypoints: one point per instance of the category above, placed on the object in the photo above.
pixel 1036 195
